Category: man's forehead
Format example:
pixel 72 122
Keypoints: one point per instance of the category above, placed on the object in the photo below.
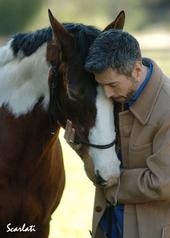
pixel 108 75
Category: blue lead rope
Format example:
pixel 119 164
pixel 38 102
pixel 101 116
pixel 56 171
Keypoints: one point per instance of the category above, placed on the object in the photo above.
pixel 112 221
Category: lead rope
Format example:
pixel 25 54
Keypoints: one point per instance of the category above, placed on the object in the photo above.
pixel 110 221
pixel 111 213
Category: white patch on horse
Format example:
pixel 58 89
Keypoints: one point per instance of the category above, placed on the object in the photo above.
pixel 105 160
pixel 23 80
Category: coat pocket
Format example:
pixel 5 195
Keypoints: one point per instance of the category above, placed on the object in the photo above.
pixel 166 232
pixel 141 147
pixel 138 155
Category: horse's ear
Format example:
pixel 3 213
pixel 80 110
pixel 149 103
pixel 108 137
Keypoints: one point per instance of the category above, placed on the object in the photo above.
pixel 60 34
pixel 118 23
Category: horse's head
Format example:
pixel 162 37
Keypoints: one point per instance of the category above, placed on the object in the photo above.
pixel 77 97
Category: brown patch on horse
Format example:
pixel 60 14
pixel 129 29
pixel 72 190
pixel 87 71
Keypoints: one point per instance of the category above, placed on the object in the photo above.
pixel 52 52
pixel 31 171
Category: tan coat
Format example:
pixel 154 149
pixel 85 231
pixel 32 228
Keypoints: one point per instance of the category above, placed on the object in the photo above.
pixel 145 179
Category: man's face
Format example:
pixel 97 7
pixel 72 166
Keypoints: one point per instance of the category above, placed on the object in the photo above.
pixel 117 86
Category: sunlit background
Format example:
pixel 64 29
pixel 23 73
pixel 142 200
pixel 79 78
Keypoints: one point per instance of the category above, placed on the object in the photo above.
pixel 148 20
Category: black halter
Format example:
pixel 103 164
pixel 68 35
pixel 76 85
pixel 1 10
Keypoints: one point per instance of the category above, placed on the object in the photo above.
pixel 53 107
pixel 53 110
pixel 102 147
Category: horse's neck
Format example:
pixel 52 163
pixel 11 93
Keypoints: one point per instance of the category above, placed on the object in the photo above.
pixel 24 120
pixel 25 138
pixel 23 80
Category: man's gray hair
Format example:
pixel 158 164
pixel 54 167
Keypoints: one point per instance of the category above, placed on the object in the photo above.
pixel 116 49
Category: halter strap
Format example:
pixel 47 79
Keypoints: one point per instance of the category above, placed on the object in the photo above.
pixel 53 78
pixel 53 84
pixel 102 147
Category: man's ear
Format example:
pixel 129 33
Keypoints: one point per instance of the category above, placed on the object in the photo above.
pixel 118 23
pixel 137 71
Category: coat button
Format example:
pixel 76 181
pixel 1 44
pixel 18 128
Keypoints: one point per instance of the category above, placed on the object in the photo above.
pixel 98 209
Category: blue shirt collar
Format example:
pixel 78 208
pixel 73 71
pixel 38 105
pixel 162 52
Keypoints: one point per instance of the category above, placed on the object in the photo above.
pixel 141 88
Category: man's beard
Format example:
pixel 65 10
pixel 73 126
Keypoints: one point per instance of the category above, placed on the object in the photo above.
pixel 132 90
pixel 125 99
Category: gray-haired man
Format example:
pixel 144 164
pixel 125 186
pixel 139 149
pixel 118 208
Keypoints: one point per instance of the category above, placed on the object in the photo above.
pixel 143 194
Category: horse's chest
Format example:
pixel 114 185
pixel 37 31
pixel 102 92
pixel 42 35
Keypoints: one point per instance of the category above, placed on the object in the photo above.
pixel 17 206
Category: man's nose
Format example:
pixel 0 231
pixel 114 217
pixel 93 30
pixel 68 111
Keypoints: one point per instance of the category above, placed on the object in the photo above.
pixel 108 91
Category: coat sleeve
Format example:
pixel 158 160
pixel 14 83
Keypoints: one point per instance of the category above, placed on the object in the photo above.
pixel 141 185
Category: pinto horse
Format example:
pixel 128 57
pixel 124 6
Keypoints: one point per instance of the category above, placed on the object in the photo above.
pixel 31 164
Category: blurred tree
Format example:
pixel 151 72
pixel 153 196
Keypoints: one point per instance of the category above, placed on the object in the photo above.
pixel 140 14
pixel 157 10
pixel 15 14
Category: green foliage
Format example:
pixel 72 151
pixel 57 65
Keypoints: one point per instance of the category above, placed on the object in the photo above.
pixel 158 11
pixel 142 14
pixel 19 15
pixel 15 14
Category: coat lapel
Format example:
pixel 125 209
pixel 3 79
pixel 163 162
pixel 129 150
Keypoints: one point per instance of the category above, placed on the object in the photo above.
pixel 144 105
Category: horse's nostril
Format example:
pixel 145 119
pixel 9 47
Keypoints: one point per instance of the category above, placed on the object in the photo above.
pixel 99 179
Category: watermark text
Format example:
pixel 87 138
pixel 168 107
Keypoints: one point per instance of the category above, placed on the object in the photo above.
pixel 23 228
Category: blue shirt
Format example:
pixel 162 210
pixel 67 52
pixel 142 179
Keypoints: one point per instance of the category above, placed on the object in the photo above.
pixel 115 214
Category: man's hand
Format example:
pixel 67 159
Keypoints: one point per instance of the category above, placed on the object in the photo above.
pixel 111 193
pixel 69 136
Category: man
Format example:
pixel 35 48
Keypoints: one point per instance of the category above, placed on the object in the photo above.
pixel 144 131
pixel 141 200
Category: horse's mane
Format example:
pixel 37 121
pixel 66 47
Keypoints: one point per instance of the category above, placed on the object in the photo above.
pixel 28 43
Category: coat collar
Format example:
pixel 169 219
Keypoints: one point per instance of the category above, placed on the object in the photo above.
pixel 144 105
